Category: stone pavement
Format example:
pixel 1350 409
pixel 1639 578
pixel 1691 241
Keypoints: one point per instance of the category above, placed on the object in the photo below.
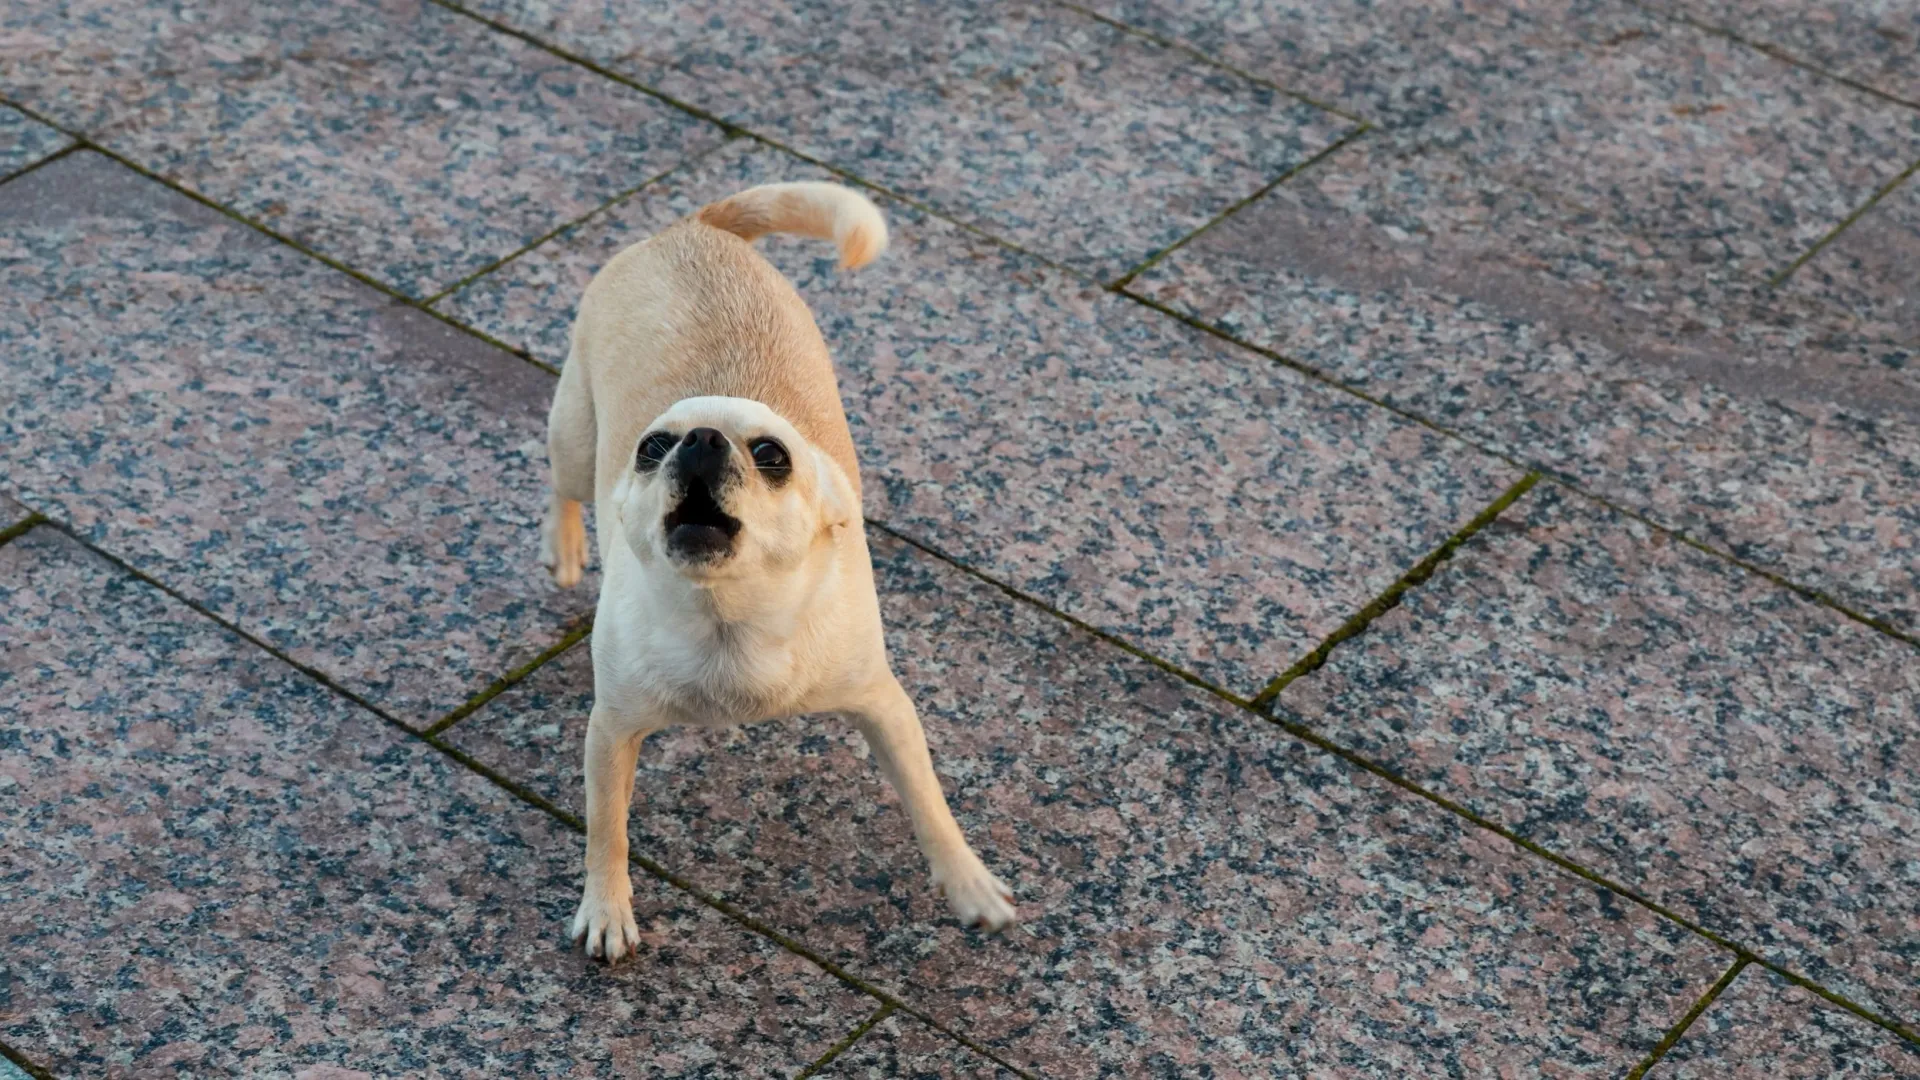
pixel 1402 518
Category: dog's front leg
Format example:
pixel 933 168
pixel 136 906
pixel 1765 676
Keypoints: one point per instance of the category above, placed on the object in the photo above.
pixel 892 729
pixel 604 921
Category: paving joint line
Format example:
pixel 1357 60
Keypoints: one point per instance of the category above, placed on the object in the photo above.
pixel 537 801
pixel 21 1062
pixel 846 1042
pixel 22 527
pixel 1674 1034
pixel 1807 593
pixel 772 143
pixel 594 66
pixel 1834 233
pixel 714 901
pixel 1306 734
pixel 1013 592
pixel 1204 57
pixel 32 165
pixel 568 226
pixel 1221 693
pixel 1300 731
pixel 1774 51
pixel 1549 472
pixel 740 917
pixel 86 142
pixel 1414 578
pixel 574 635
pixel 700 895
pixel 1560 479
pixel 1158 257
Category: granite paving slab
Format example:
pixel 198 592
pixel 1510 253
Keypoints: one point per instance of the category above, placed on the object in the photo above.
pixel 12 513
pixel 1874 41
pixel 342 475
pixel 903 1048
pixel 1033 121
pixel 1402 64
pixel 1765 1028
pixel 1740 755
pixel 395 136
pixel 1718 155
pixel 1083 448
pixel 1761 424
pixel 529 303
pixel 1201 890
pixel 215 866
pixel 24 141
pixel 1715 153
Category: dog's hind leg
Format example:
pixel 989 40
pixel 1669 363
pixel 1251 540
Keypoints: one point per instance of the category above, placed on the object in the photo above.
pixel 572 439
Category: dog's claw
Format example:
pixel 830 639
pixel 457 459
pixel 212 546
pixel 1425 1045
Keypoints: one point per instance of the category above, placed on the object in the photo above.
pixel 978 899
pixel 603 925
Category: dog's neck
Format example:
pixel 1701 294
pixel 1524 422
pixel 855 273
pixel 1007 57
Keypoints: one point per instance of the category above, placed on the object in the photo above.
pixel 768 611
pixel 737 648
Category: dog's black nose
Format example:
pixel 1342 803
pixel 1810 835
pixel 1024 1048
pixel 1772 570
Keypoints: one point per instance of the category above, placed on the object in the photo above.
pixel 707 437
pixel 703 453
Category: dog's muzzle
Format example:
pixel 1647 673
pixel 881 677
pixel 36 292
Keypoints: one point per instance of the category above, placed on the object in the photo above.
pixel 697 529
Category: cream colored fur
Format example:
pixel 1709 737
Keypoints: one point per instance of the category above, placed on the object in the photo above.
pixel 693 329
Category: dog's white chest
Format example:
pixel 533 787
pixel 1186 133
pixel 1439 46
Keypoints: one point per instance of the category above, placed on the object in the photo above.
pixel 714 678
pixel 677 658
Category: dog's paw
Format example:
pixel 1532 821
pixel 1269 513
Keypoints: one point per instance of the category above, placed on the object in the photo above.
pixel 563 544
pixel 604 922
pixel 977 897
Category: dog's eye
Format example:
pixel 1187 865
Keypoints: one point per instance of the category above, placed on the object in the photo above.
pixel 653 450
pixel 770 457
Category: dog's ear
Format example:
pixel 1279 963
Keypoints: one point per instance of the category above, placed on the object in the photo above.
pixel 838 506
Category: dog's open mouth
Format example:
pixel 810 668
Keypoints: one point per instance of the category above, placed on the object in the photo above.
pixel 698 528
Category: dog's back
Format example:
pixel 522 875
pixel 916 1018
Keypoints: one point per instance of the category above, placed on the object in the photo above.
pixel 696 311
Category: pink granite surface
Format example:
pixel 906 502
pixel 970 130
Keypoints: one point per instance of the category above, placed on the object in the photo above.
pixel 1208 327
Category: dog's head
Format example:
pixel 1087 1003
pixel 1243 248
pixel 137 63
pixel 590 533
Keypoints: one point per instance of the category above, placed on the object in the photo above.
pixel 725 488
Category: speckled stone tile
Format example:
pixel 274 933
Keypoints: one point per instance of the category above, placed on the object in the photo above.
pixel 529 303
pixel 903 1048
pixel 1874 41
pixel 12 513
pixel 1765 1028
pixel 1084 448
pixel 24 141
pixel 400 138
pixel 1689 729
pixel 214 866
pixel 10 1071
pixel 1762 424
pixel 1054 130
pixel 341 475
pixel 1200 888
pixel 1712 151
pixel 1873 267
pixel 1403 64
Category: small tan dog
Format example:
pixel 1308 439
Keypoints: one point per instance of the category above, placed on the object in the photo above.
pixel 698 409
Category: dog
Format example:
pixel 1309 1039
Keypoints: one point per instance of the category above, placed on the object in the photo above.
pixel 699 412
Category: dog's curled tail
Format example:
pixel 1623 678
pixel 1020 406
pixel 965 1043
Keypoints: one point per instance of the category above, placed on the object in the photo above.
pixel 822 211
